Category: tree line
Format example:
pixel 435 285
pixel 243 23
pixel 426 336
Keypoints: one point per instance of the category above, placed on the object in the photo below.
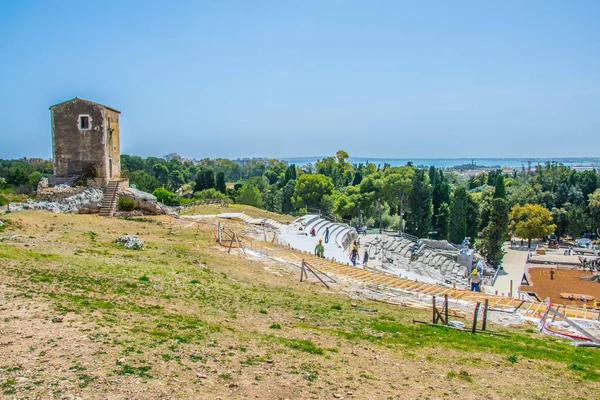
pixel 434 202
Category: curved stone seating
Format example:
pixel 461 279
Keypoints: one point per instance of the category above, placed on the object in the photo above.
pixel 437 264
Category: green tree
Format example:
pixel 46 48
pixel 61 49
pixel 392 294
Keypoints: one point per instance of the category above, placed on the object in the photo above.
pixel 287 193
pixel 17 176
pixel 418 221
pixel 531 221
pixel 492 176
pixel 443 221
pixel 594 206
pixel 500 188
pixel 440 196
pixel 249 195
pixel 205 180
pixel 310 190
pixel 478 180
pixel 161 173
pixel 176 179
pixel 560 216
pixel 472 216
pixel 271 176
pixel 272 199
pixel 458 215
pixel 397 186
pixel 588 182
pixel 220 185
pixel 34 179
pixel 577 223
pixel 144 181
pixel 494 234
pixel 167 197
pixel 209 194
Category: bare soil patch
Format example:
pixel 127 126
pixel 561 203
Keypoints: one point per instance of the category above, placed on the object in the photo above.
pixel 565 280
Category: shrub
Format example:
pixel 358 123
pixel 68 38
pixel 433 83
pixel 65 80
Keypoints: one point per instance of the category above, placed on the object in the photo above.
pixel 3 200
pixel 513 358
pixel 126 204
pixel 91 172
pixel 167 197
pixel 209 194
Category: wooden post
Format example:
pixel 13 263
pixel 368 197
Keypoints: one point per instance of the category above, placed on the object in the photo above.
pixel 485 310
pixel 230 246
pixel 315 274
pixel 446 307
pixel 434 309
pixel 511 289
pixel 474 328
pixel 302 271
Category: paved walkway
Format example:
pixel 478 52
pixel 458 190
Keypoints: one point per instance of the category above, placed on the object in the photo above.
pixel 514 266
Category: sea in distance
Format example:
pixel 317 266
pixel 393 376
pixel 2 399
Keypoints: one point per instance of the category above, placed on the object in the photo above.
pixel 451 162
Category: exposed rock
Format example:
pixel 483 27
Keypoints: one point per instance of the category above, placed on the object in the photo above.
pixel 90 199
pixel 130 241
pixel 145 201
pixel 57 320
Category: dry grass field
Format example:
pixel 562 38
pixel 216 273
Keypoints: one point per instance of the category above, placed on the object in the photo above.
pixel 81 317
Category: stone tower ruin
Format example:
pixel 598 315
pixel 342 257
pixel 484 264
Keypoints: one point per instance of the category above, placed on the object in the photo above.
pixel 85 141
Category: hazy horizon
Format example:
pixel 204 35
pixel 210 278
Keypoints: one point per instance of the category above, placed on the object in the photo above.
pixel 233 79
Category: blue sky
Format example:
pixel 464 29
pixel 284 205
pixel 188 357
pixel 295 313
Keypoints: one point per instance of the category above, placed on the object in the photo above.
pixel 279 78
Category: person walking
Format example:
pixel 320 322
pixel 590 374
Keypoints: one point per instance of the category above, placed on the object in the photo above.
pixel 319 249
pixel 354 255
pixel 327 235
pixel 475 280
pixel 365 258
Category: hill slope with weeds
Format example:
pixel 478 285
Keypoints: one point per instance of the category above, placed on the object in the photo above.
pixel 82 316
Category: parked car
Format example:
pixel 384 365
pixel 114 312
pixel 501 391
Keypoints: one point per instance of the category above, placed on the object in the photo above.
pixel 584 242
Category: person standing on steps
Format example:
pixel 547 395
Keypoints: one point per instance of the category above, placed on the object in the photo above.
pixel 327 235
pixel 475 280
pixel 365 258
pixel 319 249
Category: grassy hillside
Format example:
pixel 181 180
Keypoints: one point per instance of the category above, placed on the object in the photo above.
pixel 183 319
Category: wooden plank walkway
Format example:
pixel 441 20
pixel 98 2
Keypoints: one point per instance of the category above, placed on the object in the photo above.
pixel 387 281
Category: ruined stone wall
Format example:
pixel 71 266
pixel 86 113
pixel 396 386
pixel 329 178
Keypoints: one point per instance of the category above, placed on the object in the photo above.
pixel 75 150
pixel 58 193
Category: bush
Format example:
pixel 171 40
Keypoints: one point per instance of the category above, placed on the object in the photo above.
pixel 209 194
pixel 91 172
pixel 166 197
pixel 3 200
pixel 34 179
pixel 126 204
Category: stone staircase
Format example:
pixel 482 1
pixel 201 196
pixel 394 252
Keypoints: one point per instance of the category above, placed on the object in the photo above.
pixel 109 201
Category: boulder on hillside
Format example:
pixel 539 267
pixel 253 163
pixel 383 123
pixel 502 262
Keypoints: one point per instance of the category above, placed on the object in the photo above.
pixel 130 241
pixel 145 201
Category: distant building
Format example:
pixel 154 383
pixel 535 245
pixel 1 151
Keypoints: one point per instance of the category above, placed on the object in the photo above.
pixel 85 137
